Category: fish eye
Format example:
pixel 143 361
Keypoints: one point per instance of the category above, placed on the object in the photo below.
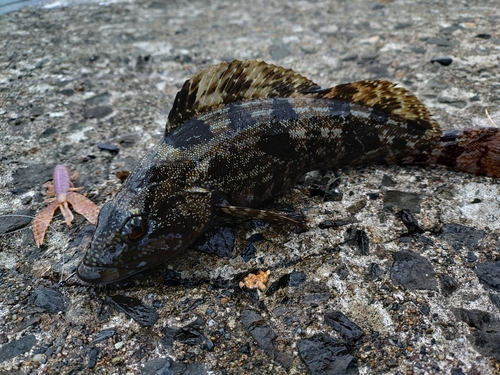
pixel 135 228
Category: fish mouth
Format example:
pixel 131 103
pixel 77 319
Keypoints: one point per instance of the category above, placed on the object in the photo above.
pixel 103 275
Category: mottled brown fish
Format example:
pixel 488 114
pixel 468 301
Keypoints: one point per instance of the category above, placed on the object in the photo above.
pixel 241 133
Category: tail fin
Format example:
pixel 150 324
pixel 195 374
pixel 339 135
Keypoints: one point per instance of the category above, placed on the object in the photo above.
pixel 474 150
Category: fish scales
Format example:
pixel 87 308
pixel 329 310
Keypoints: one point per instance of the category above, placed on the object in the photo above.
pixel 242 161
pixel 241 133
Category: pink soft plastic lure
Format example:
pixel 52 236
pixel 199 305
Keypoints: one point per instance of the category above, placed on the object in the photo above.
pixel 63 189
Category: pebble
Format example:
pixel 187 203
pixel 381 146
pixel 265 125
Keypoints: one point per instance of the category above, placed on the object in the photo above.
pixel 402 200
pixel 119 345
pixel 413 271
pixel 135 309
pixel 489 274
pixel 445 61
pixel 25 179
pixel 334 355
pixel 48 299
pixel 97 112
pixel 460 236
pixel 112 149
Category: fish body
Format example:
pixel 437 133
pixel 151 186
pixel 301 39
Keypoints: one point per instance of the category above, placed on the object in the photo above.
pixel 241 133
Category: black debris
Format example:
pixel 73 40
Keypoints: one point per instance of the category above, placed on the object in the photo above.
pixel 360 240
pixel 15 347
pixel 445 60
pixel 31 177
pixel 15 221
pixel 337 223
pixel 103 335
pixel 326 355
pixel 265 337
pixel 394 199
pixel 349 330
pixel 460 236
pixel 97 112
pixel 113 150
pixel 144 315
pixel 49 300
pixel 410 222
pixel 489 274
pixel 448 284
pixel 413 271
pixel 290 279
pixel 219 241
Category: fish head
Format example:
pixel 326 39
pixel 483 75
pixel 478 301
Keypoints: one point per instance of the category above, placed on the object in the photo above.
pixel 142 228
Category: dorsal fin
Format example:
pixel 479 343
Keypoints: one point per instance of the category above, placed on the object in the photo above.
pixel 384 96
pixel 231 82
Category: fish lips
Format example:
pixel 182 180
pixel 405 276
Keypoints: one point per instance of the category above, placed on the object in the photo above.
pixel 104 275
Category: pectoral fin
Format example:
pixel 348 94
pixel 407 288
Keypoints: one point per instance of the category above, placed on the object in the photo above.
pixel 238 212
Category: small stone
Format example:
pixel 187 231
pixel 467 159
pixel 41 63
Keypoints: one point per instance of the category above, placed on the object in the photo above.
pixel 471 257
pixel 297 278
pixel 410 222
pixel 100 99
pixel 445 60
pixel 442 42
pixel 67 92
pixel 387 181
pixel 342 324
pixel 48 299
pixel 15 221
pixel 413 271
pixel 455 102
pixel 103 335
pixel 402 200
pixel 119 345
pixel 323 354
pixel 113 150
pixel 15 347
pixel 97 112
pixel 142 62
pixel 461 236
pixel 448 284
pixel 144 315
pixel 489 274
pixel 437 84
pixel 36 111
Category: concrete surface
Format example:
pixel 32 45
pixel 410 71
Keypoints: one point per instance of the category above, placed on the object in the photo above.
pixel 75 77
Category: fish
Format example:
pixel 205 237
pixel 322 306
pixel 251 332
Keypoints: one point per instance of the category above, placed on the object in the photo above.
pixel 239 134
